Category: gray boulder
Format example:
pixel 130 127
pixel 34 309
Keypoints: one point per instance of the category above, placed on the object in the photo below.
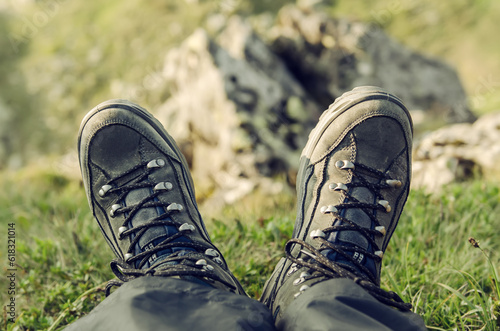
pixel 238 114
pixel 330 56
pixel 458 152
pixel 241 109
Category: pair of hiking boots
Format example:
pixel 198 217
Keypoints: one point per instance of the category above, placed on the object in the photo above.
pixel 353 181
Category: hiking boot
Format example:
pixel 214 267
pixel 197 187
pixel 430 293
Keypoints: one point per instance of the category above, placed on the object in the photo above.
pixel 141 193
pixel 353 181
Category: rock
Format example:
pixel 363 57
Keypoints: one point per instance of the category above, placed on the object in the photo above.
pixel 242 110
pixel 236 112
pixel 331 56
pixel 458 152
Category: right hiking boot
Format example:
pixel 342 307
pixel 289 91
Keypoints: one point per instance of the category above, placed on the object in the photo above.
pixel 353 181
pixel 141 193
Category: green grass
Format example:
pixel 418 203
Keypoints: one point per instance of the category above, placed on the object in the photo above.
pixel 63 260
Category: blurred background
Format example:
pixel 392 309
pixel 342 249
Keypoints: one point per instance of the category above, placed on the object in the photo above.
pixel 239 84
pixel 60 58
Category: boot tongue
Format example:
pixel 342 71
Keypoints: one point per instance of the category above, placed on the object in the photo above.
pixel 354 239
pixel 153 235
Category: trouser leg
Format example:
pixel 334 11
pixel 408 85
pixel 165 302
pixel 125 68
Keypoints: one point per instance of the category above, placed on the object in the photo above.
pixel 340 304
pixel 156 303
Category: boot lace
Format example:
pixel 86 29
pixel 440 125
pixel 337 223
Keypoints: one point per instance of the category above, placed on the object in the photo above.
pixel 320 265
pixel 179 263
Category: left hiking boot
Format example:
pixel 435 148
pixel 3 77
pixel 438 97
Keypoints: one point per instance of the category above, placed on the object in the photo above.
pixel 353 181
pixel 141 193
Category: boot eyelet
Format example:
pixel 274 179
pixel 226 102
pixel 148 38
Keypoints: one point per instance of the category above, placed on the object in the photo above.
pixel 104 189
pixel 293 268
pixel 210 251
pixel 208 267
pixel 302 278
pixel 394 183
pixel 163 186
pixel 175 206
pixel 113 210
pixel 201 262
pixel 344 164
pixel 317 234
pixel 304 275
pixel 386 205
pixel 186 227
pixel 301 290
pixel 158 163
pixel 328 209
pixel 338 187
pixel 381 229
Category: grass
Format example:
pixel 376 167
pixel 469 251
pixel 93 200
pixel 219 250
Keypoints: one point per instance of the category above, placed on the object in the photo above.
pixel 63 260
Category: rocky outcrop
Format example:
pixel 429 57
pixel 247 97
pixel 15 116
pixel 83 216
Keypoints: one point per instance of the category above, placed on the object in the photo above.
pixel 331 56
pixel 237 112
pixel 241 109
pixel 458 152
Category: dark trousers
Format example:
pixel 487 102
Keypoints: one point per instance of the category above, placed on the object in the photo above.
pixel 156 303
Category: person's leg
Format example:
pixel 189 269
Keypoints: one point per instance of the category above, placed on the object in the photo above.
pixel 353 181
pixel 141 193
pixel 161 303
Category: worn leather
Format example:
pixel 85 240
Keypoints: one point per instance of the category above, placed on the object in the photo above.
pixel 115 137
pixel 367 126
